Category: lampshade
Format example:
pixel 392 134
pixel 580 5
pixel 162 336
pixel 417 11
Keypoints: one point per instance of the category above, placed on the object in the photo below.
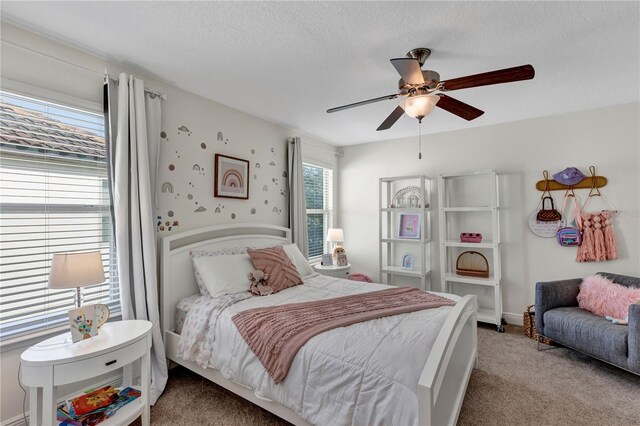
pixel 419 106
pixel 70 270
pixel 335 235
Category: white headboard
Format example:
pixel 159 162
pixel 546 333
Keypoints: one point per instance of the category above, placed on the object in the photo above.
pixel 177 279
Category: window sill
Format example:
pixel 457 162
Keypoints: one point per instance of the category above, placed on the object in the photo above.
pixel 31 339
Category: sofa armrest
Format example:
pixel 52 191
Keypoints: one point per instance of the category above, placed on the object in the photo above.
pixel 634 338
pixel 555 294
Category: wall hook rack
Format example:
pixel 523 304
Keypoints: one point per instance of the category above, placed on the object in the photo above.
pixel 592 182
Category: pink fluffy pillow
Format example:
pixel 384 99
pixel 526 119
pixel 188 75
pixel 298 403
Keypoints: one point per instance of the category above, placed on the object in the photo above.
pixel 605 298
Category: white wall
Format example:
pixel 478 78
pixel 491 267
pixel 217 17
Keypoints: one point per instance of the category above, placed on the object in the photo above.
pixel 39 62
pixel 607 138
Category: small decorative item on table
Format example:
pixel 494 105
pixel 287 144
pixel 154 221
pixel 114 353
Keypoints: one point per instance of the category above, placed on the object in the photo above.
pixel 102 313
pixel 82 322
pixel 339 251
pixel 471 237
pixel 342 259
pixel 327 260
pixel 407 261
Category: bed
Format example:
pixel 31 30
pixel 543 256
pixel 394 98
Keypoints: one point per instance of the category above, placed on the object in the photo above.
pixel 442 382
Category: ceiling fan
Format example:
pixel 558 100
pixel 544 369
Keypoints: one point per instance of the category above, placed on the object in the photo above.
pixel 422 90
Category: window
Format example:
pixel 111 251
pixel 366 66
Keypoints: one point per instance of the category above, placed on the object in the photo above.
pixel 318 187
pixel 53 199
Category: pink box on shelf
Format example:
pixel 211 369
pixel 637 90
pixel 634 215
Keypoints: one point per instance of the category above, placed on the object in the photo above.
pixel 471 237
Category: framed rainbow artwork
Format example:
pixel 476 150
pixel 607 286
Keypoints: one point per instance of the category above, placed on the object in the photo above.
pixel 231 177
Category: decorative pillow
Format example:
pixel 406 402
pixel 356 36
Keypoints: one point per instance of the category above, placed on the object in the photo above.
pixel 275 262
pixel 224 274
pixel 603 297
pixel 298 259
pixel 201 253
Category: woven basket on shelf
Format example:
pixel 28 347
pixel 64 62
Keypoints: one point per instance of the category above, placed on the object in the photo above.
pixel 529 324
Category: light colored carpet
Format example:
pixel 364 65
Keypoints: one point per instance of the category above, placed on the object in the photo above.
pixel 514 384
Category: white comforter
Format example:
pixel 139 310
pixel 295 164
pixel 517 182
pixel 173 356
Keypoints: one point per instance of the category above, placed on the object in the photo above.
pixel 363 374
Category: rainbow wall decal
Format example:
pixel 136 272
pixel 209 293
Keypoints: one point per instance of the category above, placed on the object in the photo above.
pixel 167 187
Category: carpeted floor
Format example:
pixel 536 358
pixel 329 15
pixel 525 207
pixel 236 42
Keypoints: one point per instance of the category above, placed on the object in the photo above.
pixel 514 384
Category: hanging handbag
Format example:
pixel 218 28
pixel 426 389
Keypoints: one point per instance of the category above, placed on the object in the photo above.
pixel 548 215
pixel 569 236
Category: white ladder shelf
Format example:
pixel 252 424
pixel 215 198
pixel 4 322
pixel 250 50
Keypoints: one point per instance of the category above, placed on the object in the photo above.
pixel 449 243
pixel 392 245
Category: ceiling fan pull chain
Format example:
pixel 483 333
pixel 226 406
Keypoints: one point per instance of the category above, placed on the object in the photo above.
pixel 419 139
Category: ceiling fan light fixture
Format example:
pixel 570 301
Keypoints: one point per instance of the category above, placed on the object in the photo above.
pixel 419 106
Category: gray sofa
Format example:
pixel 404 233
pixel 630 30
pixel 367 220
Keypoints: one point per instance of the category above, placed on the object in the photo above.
pixel 559 318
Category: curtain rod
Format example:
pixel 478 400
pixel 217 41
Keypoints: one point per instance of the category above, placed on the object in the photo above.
pixel 163 96
pixel 313 146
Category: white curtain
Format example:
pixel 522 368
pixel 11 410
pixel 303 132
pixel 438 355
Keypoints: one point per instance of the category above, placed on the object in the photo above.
pixel 297 198
pixel 134 129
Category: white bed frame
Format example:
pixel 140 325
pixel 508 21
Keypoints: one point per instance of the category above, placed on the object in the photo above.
pixel 445 376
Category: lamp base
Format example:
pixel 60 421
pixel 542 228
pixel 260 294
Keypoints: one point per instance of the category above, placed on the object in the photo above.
pixel 78 297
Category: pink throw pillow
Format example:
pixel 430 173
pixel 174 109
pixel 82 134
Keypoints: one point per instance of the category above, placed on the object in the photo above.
pixel 603 297
pixel 275 262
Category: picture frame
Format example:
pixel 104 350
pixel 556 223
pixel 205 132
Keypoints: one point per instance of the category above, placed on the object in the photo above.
pixel 410 225
pixel 231 177
pixel 327 260
pixel 82 323
pixel 407 261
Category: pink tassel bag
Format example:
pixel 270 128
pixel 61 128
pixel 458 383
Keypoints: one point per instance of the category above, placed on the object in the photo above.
pixel 598 238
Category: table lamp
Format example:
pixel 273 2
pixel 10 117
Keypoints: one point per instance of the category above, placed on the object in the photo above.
pixel 69 270
pixel 335 236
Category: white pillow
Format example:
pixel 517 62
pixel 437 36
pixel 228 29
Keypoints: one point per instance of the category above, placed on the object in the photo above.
pixel 200 253
pixel 224 274
pixel 298 259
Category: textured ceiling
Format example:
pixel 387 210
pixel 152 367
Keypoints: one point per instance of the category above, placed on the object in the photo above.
pixel 288 62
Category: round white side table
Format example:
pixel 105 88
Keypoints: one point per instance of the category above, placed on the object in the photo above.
pixel 57 361
pixel 334 271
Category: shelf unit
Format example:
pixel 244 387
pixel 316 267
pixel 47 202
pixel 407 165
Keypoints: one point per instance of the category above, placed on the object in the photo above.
pixel 480 191
pixel 391 245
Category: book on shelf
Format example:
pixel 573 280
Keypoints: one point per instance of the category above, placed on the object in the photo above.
pixel 95 406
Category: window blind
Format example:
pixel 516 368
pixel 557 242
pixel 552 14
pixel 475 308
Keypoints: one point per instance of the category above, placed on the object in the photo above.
pixel 318 186
pixel 53 199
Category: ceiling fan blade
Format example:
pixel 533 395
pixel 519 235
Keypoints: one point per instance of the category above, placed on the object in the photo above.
pixel 409 70
pixel 356 104
pixel 392 118
pixel 459 108
pixel 507 75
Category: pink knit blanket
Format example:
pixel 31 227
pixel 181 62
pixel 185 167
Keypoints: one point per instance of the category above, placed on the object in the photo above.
pixel 276 333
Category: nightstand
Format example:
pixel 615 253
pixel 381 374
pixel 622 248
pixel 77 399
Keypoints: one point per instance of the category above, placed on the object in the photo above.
pixel 57 361
pixel 334 271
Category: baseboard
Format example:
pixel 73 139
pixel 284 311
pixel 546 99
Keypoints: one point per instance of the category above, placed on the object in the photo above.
pixel 16 421
pixel 515 319
pixel 19 420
